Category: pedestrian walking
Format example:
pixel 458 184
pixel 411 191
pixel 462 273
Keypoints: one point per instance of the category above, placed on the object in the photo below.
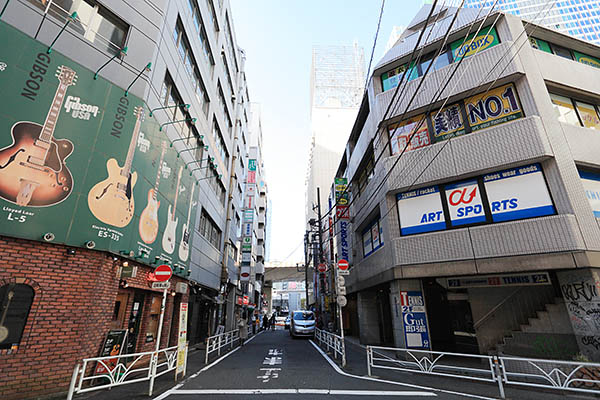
pixel 243 328
pixel 272 321
pixel 266 322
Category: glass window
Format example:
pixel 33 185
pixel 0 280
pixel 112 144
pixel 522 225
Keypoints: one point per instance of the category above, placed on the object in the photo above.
pixel 564 110
pixel 367 243
pixel 15 303
pixel 562 52
pixel 588 115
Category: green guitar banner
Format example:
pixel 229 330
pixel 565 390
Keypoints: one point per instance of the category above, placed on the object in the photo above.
pixel 84 165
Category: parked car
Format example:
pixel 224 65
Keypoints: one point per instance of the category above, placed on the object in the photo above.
pixel 281 317
pixel 287 322
pixel 302 323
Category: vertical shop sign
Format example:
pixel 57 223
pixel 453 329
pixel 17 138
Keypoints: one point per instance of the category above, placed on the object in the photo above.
pixel 182 339
pixel 414 319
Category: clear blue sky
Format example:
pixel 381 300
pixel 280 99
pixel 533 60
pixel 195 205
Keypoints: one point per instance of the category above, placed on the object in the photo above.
pixel 278 37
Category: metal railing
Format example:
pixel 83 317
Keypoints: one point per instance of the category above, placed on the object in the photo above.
pixel 534 373
pixel 106 372
pixel 332 342
pixel 551 374
pixel 217 342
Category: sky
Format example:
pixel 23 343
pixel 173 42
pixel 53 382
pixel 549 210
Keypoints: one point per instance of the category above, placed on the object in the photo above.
pixel 278 36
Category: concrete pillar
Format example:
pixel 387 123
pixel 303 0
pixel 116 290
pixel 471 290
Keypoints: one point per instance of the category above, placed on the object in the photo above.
pixel 368 317
pixel 581 291
pixel 396 287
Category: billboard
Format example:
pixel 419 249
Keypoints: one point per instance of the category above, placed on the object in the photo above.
pixel 447 123
pixel 591 185
pixel 518 193
pixel 486 38
pixel 464 203
pixel 401 132
pixel 414 318
pixel 421 211
pixel 494 107
pixel 84 162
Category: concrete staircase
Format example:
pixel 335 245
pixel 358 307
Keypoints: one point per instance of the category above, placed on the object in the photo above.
pixel 548 334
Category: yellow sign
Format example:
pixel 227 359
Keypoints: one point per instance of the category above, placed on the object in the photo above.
pixel 495 107
pixel 182 339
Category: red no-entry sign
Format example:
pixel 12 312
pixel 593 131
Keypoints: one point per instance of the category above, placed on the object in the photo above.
pixel 163 273
pixel 343 265
pixel 322 267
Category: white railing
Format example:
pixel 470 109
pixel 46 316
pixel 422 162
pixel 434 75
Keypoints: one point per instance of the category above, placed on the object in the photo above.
pixel 535 373
pixel 217 342
pixel 332 342
pixel 552 374
pixel 107 372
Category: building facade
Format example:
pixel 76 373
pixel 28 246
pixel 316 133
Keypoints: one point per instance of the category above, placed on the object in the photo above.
pixel 484 235
pixel 579 18
pixel 141 130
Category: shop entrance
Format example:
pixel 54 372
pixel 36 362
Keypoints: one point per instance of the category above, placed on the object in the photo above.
pixel 384 310
pixel 118 316
pixel 135 319
pixel 450 319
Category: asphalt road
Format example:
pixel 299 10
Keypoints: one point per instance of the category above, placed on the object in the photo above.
pixel 275 366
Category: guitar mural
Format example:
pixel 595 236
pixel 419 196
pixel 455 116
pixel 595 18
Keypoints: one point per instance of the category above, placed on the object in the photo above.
pixel 111 201
pixel 168 240
pixel 32 169
pixel 184 245
pixel 149 219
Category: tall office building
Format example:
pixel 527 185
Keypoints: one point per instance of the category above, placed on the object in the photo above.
pixel 337 85
pixel 578 18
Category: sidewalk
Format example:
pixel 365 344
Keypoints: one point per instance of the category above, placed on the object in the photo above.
pixel 356 363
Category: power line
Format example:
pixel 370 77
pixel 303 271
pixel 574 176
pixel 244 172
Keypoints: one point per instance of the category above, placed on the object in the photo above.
pixel 374 44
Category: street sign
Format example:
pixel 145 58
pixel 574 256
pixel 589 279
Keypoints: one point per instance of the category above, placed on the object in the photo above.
pixel 161 285
pixel 163 273
pixel 343 265
pixel 342 290
pixel 322 267
pixel 342 272
pixel 341 281
pixel 341 300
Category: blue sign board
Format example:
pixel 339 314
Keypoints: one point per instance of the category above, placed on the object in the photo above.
pixel 414 319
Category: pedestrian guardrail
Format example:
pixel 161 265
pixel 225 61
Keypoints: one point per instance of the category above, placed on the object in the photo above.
pixel 106 372
pixel 217 342
pixel 332 342
pixel 534 373
pixel 551 374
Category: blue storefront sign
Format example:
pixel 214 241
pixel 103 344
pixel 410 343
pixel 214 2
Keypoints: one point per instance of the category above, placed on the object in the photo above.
pixel 414 319
pixel 421 211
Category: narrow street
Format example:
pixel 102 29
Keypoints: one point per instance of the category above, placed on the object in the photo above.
pixel 273 365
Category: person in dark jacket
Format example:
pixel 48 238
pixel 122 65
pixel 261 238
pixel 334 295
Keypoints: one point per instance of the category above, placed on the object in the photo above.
pixel 272 321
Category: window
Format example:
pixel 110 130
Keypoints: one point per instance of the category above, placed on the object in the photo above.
pixel 15 303
pixel 96 23
pixel 202 34
pixel 169 97
pixel 213 15
pixel 220 143
pixel 562 52
pixel 372 237
pixel 229 85
pixel 209 229
pixel 364 173
pixel 224 106
pixel 229 39
pixel 588 114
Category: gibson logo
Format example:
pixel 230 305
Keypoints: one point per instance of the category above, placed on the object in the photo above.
pixel 80 111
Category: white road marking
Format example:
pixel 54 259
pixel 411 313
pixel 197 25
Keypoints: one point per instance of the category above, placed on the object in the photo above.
pixel 302 391
pixel 368 378
pixel 272 361
pixel 270 373
pixel 170 391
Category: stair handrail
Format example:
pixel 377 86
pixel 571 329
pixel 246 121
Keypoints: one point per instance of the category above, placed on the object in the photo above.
pixel 481 320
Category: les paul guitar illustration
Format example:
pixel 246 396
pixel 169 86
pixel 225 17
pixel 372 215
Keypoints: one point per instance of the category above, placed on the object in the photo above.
pixel 149 219
pixel 111 201
pixel 184 246
pixel 32 169
pixel 168 240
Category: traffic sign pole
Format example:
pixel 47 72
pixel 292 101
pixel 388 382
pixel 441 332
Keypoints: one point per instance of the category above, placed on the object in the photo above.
pixel 157 348
pixel 337 278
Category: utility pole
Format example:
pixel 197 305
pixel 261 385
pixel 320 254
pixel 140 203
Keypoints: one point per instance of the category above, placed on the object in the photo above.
pixel 306 262
pixel 319 255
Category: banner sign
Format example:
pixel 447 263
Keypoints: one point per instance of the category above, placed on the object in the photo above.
pixel 342 197
pixel 247 244
pixel 494 107
pixel 182 338
pixel 414 319
pixel 245 272
pixel 464 203
pixel 540 44
pixel 587 60
pixel 252 164
pixel 527 279
pixel 401 132
pixel 447 123
pixel 591 185
pixel 84 162
pixel 421 211
pixel 251 177
pixel 248 215
pixel 486 38
pixel 390 79
pixel 518 193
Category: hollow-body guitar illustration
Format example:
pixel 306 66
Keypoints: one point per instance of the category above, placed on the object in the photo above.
pixel 168 240
pixel 149 219
pixel 111 201
pixel 184 245
pixel 32 169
